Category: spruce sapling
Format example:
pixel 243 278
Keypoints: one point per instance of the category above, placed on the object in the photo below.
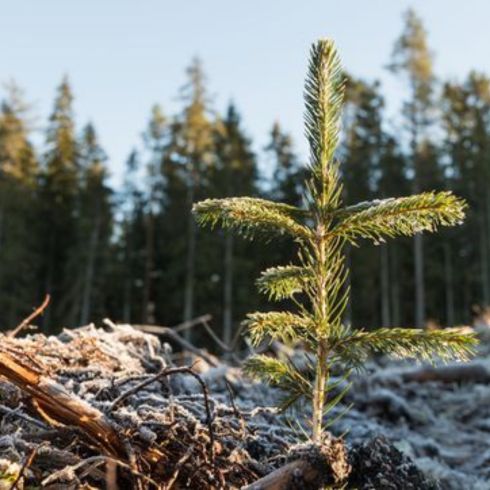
pixel 317 284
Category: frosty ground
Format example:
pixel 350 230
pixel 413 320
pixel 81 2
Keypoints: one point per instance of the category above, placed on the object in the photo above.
pixel 406 423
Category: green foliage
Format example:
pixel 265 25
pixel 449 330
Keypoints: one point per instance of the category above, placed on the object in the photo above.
pixel 404 216
pixel 19 262
pixel 280 374
pixel 251 216
pixel 277 325
pixel 321 232
pixel 354 346
pixel 283 282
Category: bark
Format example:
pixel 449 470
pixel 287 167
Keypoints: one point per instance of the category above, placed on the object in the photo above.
pixel 415 127
pixel 298 474
pixel 323 465
pixel 487 225
pixel 58 406
pixel 171 334
pixel 385 286
pixel 419 281
pixel 146 312
pixel 395 285
pixel 448 279
pixel 191 255
pixel 89 272
pixel 128 279
pixel 485 286
pixel 49 280
pixel 228 290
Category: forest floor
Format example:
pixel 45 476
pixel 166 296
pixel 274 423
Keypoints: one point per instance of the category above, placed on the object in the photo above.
pixel 113 407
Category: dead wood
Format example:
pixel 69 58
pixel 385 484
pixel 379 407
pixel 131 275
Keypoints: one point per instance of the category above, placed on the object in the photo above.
pixel 27 321
pixel 316 466
pixel 173 333
pixel 298 474
pixel 99 392
pixel 57 406
pixel 473 372
pixel 179 340
pixel 28 461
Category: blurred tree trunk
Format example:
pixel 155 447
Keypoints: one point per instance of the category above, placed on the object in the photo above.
pixel 191 256
pixel 395 286
pixel 385 285
pixel 228 290
pixel 89 272
pixel 146 312
pixel 448 279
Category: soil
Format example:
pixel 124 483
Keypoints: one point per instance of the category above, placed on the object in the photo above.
pixel 173 433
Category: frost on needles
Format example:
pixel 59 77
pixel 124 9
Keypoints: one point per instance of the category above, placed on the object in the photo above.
pixel 317 282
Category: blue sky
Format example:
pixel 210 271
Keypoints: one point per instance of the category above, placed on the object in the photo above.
pixel 122 56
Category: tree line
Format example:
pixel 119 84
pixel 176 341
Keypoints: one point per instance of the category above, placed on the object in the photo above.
pixel 134 253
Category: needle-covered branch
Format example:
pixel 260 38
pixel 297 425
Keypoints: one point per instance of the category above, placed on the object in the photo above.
pixel 252 217
pixel 277 325
pixel 280 374
pixel 355 346
pixel 324 94
pixel 283 282
pixel 404 216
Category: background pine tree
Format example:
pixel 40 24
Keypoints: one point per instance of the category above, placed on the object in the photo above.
pixel 412 59
pixel 19 202
pixel 95 227
pixel 48 215
pixel 60 199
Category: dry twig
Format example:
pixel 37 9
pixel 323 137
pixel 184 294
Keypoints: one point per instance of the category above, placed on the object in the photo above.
pixel 26 322
pixel 28 461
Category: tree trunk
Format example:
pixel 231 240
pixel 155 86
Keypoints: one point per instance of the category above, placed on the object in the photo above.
pixel 419 281
pixel 89 272
pixel 191 255
pixel 448 279
pixel 395 286
pixel 385 286
pixel 485 287
pixel 487 225
pixel 128 273
pixel 48 285
pixel 146 312
pixel 228 290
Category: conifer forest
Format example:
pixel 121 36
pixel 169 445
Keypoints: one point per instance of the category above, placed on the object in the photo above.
pixel 234 315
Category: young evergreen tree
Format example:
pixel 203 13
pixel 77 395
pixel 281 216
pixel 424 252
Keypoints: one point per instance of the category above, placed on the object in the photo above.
pixel 321 231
